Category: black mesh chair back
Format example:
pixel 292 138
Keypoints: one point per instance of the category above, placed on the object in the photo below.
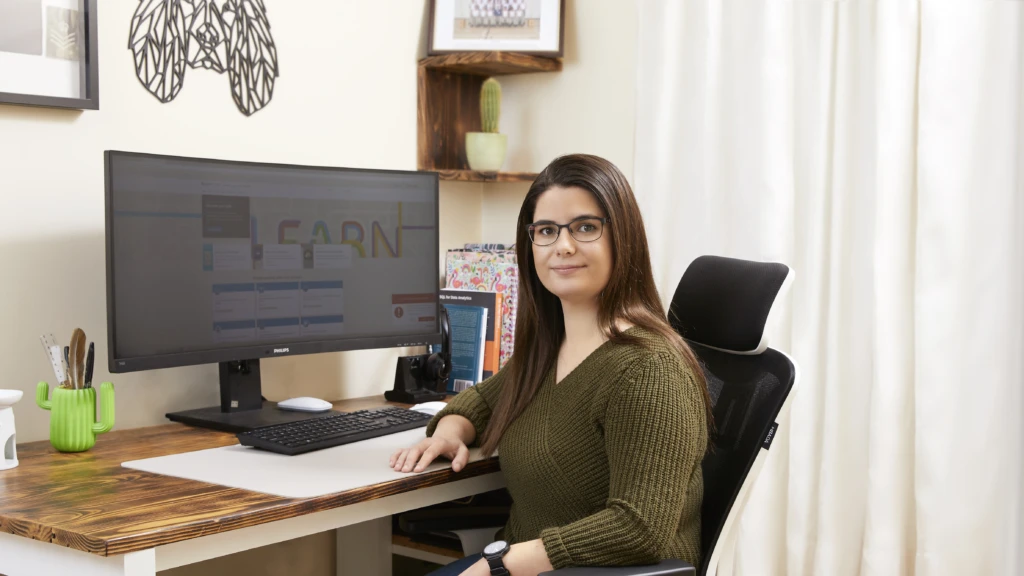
pixel 721 307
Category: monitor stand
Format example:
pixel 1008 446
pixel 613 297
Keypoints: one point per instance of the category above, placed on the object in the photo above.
pixel 242 406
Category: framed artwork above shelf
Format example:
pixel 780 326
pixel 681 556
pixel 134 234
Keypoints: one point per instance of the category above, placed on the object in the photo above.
pixel 448 106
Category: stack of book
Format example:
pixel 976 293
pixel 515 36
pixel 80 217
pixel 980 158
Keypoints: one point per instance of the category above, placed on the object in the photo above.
pixel 482 288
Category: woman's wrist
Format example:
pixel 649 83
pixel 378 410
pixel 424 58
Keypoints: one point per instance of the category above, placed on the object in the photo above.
pixel 456 427
pixel 527 559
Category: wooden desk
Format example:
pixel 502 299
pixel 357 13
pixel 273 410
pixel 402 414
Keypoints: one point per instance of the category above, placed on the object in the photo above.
pixel 85 514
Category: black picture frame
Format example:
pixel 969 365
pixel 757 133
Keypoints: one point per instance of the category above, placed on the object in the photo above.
pixel 559 53
pixel 90 72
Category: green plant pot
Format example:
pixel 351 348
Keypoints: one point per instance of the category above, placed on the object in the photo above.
pixel 73 425
pixel 485 151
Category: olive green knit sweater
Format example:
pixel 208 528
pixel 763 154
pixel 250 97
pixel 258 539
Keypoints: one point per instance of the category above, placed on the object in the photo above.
pixel 604 466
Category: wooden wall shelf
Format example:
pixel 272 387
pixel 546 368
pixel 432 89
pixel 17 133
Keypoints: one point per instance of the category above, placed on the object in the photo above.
pixel 476 176
pixel 491 63
pixel 448 106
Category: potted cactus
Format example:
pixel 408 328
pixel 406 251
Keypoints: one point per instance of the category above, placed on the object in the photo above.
pixel 485 150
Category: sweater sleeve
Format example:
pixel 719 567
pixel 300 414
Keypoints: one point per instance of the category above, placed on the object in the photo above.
pixel 473 403
pixel 655 437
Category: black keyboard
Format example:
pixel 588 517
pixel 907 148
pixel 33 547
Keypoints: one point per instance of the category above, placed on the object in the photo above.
pixel 334 430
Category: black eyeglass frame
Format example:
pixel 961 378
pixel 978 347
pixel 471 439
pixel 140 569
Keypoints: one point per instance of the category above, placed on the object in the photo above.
pixel 530 227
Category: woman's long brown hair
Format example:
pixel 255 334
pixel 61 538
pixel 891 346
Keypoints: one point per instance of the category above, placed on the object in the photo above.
pixel 630 295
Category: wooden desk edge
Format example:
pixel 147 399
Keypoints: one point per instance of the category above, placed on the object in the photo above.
pixel 292 509
pixel 104 543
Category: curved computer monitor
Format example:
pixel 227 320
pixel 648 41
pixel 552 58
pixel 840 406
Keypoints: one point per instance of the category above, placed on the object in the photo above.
pixel 228 262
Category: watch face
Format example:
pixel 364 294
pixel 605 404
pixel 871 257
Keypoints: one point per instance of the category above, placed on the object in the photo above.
pixel 495 547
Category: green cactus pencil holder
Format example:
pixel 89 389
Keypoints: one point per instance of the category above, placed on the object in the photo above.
pixel 73 425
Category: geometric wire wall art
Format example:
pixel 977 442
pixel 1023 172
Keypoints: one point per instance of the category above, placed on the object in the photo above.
pixel 169 36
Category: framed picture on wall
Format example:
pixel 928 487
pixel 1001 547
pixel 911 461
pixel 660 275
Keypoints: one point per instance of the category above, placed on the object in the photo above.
pixel 528 26
pixel 48 53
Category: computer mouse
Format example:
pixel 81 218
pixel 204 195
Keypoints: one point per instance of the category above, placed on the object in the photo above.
pixel 429 407
pixel 305 404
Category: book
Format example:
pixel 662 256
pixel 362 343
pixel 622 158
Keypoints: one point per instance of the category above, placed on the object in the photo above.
pixel 479 246
pixel 495 271
pixel 485 299
pixel 469 330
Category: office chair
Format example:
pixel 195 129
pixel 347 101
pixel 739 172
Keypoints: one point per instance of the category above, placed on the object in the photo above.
pixel 721 307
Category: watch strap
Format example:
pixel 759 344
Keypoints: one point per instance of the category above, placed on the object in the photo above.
pixel 496 562
pixel 497 567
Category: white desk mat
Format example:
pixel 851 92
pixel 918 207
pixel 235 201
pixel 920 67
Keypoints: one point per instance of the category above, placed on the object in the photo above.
pixel 316 473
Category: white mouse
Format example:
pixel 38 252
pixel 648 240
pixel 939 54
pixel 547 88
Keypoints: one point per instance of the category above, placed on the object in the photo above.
pixel 429 407
pixel 305 404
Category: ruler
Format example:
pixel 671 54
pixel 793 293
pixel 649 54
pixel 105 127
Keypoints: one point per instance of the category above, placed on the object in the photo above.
pixel 55 356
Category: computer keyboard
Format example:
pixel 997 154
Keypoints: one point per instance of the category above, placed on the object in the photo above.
pixel 326 431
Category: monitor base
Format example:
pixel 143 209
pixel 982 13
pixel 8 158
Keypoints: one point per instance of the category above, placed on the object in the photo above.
pixel 241 421
pixel 242 406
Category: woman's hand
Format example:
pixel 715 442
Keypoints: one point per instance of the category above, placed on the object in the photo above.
pixel 418 457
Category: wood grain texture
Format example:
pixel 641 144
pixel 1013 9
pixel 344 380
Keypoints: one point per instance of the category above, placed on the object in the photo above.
pixel 448 107
pixel 491 63
pixel 89 502
pixel 477 176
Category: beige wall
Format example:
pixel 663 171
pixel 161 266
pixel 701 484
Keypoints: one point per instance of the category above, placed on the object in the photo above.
pixel 587 107
pixel 346 97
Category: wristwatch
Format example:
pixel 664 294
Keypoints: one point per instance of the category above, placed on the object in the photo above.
pixel 493 553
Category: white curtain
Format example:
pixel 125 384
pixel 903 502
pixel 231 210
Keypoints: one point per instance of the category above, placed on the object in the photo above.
pixel 877 147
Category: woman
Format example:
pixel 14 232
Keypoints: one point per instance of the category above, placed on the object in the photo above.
pixel 601 415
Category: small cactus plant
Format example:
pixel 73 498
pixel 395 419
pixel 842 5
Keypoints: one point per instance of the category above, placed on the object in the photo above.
pixel 490 105
pixel 485 150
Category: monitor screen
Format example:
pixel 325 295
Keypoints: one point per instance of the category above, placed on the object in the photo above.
pixel 213 261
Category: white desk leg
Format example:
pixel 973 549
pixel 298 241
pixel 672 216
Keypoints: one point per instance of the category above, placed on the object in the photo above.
pixel 364 549
pixel 21 556
pixel 141 563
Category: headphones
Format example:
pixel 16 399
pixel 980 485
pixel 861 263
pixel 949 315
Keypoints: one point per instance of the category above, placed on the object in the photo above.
pixel 439 365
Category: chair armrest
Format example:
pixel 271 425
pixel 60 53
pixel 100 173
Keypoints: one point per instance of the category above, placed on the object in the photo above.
pixel 450 519
pixel 663 568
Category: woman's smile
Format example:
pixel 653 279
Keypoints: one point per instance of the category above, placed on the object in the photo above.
pixel 567 269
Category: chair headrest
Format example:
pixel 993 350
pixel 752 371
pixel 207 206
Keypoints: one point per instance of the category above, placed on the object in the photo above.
pixel 725 303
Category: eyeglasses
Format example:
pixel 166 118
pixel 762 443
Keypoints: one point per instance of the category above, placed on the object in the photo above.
pixel 585 229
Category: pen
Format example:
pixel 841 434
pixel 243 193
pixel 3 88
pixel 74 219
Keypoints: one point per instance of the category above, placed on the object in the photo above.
pixel 67 367
pixel 88 366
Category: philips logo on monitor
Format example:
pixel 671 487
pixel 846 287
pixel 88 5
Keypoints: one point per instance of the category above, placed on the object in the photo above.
pixel 280 350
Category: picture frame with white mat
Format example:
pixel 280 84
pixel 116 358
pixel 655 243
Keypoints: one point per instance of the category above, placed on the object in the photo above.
pixel 534 27
pixel 49 53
